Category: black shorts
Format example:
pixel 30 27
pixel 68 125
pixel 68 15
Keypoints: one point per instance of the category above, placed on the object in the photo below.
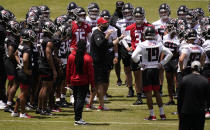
pixel 110 57
pixel 134 66
pixel 46 74
pixel 171 66
pixel 10 67
pixel 126 57
pixel 23 78
pixel 101 74
pixel 119 52
pixel 150 79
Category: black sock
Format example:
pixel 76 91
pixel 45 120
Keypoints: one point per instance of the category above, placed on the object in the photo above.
pixel 138 95
pixel 131 88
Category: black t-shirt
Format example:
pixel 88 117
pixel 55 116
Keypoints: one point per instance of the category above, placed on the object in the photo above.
pixel 99 47
pixel 194 92
pixel 13 41
pixel 24 48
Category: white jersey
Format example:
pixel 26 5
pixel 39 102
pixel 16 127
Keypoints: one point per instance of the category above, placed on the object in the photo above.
pixel 150 51
pixel 91 22
pixel 113 35
pixel 159 24
pixel 193 52
pixel 206 47
pixel 122 24
pixel 172 45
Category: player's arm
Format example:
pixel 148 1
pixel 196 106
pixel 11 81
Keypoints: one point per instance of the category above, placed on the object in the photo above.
pixel 136 54
pixel 26 63
pixel 184 53
pixel 168 55
pixel 49 48
pixel 17 57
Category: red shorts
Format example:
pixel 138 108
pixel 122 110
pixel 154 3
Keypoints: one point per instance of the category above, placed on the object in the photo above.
pixel 22 86
pixel 10 77
pixel 151 88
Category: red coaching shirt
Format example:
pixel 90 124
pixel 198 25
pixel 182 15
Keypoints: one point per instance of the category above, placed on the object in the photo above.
pixel 80 79
pixel 79 33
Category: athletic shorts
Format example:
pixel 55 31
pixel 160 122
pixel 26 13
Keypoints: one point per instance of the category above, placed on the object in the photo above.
pixel 10 67
pixel 134 66
pixel 23 78
pixel 110 57
pixel 206 71
pixel 46 74
pixel 101 74
pixel 150 79
pixel 126 57
pixel 171 66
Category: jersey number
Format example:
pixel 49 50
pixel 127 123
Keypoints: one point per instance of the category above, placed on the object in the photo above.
pixel 153 54
pixel 80 36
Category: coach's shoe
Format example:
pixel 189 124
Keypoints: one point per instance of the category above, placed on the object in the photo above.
pixel 100 108
pixel 14 114
pixel 130 93
pixel 119 82
pixel 90 107
pixel 8 109
pixel 25 115
pixel 207 114
pixel 151 118
pixel 80 122
pixel 138 102
pixel 170 103
pixel 163 117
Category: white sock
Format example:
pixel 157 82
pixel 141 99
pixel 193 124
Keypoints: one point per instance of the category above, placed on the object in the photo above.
pixel 63 96
pixel 9 103
pixel 57 99
pixel 161 111
pixel 151 112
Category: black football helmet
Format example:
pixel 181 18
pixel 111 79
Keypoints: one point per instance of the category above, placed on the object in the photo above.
pixel 65 31
pixel 93 10
pixel 191 17
pixel 13 27
pixel 36 10
pixel 49 27
pixel 139 15
pixel 33 23
pixel 119 4
pixel 1 8
pixel 71 6
pixel 180 28
pixel 200 13
pixel 182 12
pixel 60 20
pixel 28 35
pixel 206 31
pixel 6 15
pixel 190 34
pixel 171 25
pixel 127 11
pixel 149 33
pixel 164 11
pixel 80 14
pixel 45 10
pixel 105 14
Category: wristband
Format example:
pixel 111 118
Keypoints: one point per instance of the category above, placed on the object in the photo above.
pixel 116 54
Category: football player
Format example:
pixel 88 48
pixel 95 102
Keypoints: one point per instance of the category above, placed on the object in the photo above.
pixel 127 11
pixel 70 10
pixel 93 14
pixel 134 35
pixel 151 50
pixel 24 59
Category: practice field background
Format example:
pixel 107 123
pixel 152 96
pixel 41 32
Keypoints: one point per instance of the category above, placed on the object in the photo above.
pixel 123 115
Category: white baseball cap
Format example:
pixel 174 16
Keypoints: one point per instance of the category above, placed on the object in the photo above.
pixel 196 65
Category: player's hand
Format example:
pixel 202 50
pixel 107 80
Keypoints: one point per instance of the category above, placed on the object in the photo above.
pixel 93 89
pixel 122 36
pixel 115 60
pixel 160 66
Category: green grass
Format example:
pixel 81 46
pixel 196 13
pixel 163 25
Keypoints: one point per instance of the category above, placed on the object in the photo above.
pixel 123 115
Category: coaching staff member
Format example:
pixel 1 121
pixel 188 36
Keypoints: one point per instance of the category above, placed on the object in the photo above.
pixel 79 72
pixel 192 96
pixel 98 50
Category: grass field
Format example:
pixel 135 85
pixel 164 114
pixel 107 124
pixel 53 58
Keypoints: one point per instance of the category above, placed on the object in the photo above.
pixel 122 115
